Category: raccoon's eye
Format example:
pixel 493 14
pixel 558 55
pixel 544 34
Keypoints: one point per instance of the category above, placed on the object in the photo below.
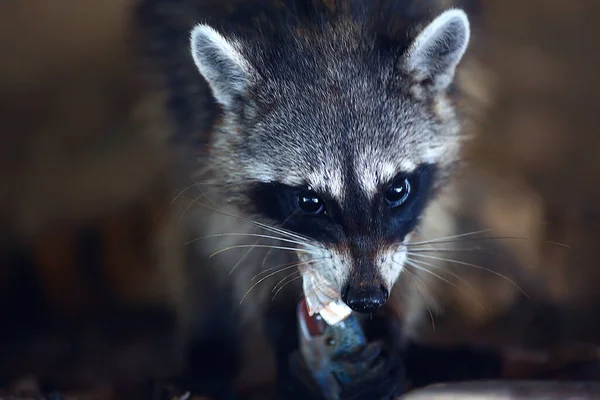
pixel 397 193
pixel 310 203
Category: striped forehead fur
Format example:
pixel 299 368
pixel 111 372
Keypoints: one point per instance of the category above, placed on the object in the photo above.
pixel 331 95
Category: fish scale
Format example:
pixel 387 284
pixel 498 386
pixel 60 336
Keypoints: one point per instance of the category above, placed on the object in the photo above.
pixel 335 360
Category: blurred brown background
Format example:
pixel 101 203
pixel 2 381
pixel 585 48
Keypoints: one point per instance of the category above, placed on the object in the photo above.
pixel 533 173
pixel 68 80
pixel 538 144
pixel 83 166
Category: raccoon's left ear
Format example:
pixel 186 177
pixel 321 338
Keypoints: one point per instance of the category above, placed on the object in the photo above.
pixel 437 50
pixel 218 59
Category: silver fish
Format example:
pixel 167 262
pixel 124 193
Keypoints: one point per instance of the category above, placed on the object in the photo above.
pixel 336 355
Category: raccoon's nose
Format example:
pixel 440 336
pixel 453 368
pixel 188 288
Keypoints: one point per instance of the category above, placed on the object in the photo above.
pixel 364 299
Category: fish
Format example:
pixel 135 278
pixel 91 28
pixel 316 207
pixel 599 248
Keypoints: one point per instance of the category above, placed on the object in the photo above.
pixel 340 359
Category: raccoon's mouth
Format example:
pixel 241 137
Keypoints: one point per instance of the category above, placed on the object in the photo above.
pixel 321 297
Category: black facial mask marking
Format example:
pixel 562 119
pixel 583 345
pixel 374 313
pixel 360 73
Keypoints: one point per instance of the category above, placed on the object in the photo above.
pixel 326 221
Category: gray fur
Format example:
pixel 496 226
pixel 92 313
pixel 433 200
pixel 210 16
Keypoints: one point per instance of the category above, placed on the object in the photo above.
pixel 327 106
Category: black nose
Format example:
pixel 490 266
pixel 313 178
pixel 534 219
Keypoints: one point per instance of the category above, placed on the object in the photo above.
pixel 364 299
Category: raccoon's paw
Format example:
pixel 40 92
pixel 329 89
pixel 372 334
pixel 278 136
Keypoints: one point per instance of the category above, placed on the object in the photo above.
pixel 385 382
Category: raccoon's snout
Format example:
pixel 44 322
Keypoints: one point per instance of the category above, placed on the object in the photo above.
pixel 364 299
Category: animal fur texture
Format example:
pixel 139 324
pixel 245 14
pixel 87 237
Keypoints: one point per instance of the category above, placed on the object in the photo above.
pixel 335 102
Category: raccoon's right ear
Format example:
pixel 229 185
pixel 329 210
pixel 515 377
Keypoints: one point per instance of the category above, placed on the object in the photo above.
pixel 225 69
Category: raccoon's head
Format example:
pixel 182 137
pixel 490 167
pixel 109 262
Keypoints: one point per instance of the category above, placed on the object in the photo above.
pixel 340 134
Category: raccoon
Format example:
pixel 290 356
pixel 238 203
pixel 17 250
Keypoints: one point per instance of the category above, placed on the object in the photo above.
pixel 341 136
pixel 320 133
pixel 366 156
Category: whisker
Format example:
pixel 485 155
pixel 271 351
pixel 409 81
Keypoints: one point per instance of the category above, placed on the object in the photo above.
pixel 265 258
pixel 286 277
pixel 437 240
pixel 294 279
pixel 476 250
pixel 203 193
pixel 259 224
pixel 450 250
pixel 415 265
pixel 286 283
pixel 211 191
pixel 411 275
pixel 284 267
pixel 489 238
pixel 476 267
pixel 257 283
pixel 284 232
pixel 190 205
pixel 313 288
pixel 182 192
pixel 251 235
pixel 261 280
pixel 420 279
pixel 566 246
pixel 261 246
pixel 197 184
pixel 243 257
pixel 422 262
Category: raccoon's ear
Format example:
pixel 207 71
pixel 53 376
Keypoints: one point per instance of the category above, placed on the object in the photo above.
pixel 225 69
pixel 437 50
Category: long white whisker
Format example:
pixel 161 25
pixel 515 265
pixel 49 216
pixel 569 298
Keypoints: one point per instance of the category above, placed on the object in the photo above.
pixel 422 262
pixel 284 232
pixel 268 252
pixel 283 280
pixel 313 288
pixel 473 266
pixel 437 240
pixel 252 235
pixel 286 283
pixel 486 239
pixel 203 194
pixel 285 267
pixel 415 265
pixel 265 258
pixel 259 224
pixel 264 246
pixel 450 250
pixel 411 275
pixel 261 280
pixel 182 192
pixel 190 206
pixel 196 184
pixel 243 257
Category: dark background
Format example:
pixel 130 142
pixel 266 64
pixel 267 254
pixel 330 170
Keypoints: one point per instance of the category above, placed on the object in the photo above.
pixel 67 77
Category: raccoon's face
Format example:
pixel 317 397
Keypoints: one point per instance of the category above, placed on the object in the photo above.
pixel 340 138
